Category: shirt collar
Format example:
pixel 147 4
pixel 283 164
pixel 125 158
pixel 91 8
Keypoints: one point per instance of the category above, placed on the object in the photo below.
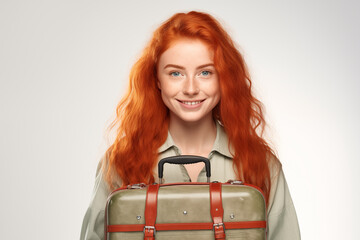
pixel 220 144
pixel 169 143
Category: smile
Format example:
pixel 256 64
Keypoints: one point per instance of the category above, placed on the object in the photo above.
pixel 190 103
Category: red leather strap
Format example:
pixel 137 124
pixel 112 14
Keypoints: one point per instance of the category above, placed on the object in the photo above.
pixel 185 226
pixel 149 233
pixel 217 210
pixel 150 211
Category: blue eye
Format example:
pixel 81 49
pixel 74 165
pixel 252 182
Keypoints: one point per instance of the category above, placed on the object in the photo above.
pixel 175 74
pixel 205 73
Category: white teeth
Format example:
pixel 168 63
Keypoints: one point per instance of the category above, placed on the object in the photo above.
pixel 191 103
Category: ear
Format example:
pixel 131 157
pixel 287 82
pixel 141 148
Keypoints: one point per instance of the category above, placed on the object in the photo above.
pixel 158 84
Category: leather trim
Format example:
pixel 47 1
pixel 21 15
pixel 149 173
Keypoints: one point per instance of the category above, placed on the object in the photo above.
pixel 185 226
pixel 150 211
pixel 216 210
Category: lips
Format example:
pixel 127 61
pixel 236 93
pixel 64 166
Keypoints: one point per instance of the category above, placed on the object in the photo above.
pixel 191 103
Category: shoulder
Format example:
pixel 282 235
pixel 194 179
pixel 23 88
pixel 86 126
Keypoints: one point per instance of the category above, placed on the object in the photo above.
pixel 282 219
pixel 280 199
pixel 275 166
pixel 106 171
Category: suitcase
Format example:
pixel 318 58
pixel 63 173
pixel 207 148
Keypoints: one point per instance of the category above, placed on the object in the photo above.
pixel 202 211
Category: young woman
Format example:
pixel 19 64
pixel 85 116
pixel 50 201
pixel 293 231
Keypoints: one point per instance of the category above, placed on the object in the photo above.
pixel 190 93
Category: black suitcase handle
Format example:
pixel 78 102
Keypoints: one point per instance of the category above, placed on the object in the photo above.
pixel 183 159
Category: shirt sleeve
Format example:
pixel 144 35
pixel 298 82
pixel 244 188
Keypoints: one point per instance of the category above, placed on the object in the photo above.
pixel 282 219
pixel 93 223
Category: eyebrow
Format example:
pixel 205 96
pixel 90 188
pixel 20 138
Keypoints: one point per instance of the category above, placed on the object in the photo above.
pixel 181 67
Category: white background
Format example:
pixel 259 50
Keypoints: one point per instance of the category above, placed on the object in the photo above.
pixel 64 66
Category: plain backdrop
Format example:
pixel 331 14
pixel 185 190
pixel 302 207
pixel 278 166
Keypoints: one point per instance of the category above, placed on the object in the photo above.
pixel 64 66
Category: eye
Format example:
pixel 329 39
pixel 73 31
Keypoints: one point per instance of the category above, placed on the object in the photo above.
pixel 205 73
pixel 175 74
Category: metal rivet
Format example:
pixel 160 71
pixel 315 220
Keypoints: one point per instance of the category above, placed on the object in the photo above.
pixel 138 217
pixel 232 216
pixel 185 212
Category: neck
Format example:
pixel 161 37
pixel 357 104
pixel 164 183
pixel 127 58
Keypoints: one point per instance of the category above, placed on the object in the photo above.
pixel 193 138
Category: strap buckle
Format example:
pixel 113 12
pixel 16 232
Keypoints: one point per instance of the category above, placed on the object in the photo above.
pixel 149 228
pixel 217 225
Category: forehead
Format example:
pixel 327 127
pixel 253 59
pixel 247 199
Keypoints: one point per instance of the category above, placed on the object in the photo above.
pixel 187 51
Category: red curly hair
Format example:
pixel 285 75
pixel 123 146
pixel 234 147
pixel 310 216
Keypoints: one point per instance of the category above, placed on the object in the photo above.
pixel 142 118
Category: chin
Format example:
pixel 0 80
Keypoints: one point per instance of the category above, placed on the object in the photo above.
pixel 191 119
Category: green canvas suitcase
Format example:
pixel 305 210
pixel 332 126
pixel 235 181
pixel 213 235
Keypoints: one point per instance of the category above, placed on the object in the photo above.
pixel 181 211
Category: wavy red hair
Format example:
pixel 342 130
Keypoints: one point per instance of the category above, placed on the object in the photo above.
pixel 142 118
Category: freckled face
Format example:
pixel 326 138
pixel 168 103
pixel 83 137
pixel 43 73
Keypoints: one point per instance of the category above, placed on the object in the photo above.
pixel 188 80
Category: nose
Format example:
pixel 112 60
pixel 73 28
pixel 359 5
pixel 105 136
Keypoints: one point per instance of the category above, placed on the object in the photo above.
pixel 191 86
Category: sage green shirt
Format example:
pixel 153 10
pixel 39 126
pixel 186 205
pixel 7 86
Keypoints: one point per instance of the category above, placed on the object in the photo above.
pixel 282 220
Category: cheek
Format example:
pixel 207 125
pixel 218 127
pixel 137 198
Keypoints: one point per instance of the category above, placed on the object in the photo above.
pixel 167 92
pixel 213 88
pixel 217 97
pixel 215 92
pixel 168 89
